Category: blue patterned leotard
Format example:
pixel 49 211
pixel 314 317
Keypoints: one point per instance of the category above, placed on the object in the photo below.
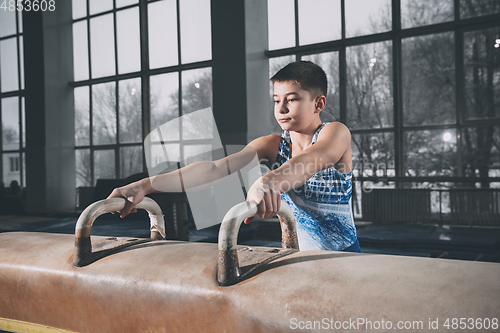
pixel 322 206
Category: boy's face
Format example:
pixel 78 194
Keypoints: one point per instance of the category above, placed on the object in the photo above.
pixel 293 107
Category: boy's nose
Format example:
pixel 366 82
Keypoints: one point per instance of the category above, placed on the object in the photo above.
pixel 282 108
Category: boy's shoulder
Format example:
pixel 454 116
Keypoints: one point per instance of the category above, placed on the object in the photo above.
pixel 266 142
pixel 334 129
pixel 336 125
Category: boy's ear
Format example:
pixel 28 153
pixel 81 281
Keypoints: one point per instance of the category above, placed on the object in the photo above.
pixel 320 103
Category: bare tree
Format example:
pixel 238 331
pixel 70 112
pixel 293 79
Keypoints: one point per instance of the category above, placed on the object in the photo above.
pixel 196 95
pixel 370 103
pixel 10 134
pixel 482 94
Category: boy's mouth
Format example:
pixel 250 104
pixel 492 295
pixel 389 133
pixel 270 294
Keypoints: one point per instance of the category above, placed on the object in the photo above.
pixel 284 120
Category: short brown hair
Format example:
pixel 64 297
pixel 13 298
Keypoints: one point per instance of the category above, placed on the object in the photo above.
pixel 310 76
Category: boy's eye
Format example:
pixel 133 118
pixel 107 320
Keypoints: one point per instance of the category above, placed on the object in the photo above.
pixel 276 102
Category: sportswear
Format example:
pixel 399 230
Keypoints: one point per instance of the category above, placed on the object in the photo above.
pixel 322 206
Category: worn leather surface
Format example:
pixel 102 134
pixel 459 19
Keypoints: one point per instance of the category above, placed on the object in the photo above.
pixel 170 286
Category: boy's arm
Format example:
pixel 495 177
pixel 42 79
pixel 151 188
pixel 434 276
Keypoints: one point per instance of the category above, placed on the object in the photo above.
pixel 193 175
pixel 330 149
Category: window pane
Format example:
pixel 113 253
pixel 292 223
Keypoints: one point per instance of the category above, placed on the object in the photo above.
pixel 164 98
pixel 330 64
pixel 10 161
pixel 473 8
pixel 366 17
pixel 80 51
pixel 104 164
pixel 20 21
pixel 129 56
pixel 197 153
pixel 102 48
pixel 7 22
pixel 482 74
pixel 10 123
pixel 122 3
pixel 8 64
pixel 197 95
pixel 312 30
pixel 481 152
pixel 130 110
pixel 104 113
pixel 79 8
pixel 130 160
pixel 83 169
pixel 196 30
pixel 99 6
pixel 430 153
pixel 82 116
pixel 429 79
pixel 369 85
pixel 163 153
pixel 281 23
pixel 163 48
pixel 196 89
pixel 416 13
pixel 373 155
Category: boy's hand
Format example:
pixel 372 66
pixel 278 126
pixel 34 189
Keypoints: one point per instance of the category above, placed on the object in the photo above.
pixel 267 197
pixel 133 193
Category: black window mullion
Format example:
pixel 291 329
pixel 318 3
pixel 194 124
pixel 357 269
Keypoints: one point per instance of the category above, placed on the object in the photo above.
pixel 1 137
pixel 342 18
pixel 117 105
pixel 21 120
pixel 343 85
pixel 179 56
pixel 342 68
pixel 459 93
pixel 145 74
pixel 397 89
pixel 91 117
pixel 88 42
pixel 19 102
pixel 91 135
pixel 117 148
pixel 296 17
pixel 92 164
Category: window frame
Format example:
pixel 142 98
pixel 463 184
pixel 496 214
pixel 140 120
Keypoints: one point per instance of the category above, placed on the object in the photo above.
pixel 20 94
pixel 459 27
pixel 143 74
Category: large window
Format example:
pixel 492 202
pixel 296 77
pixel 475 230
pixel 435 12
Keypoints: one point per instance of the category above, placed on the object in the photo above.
pixel 12 97
pixel 137 65
pixel 417 82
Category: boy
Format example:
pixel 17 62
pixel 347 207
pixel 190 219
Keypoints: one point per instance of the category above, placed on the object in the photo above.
pixel 311 165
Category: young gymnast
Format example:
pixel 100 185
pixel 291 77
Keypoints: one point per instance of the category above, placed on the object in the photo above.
pixel 310 163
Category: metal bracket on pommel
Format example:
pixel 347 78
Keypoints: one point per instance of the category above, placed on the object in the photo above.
pixel 235 264
pixel 83 254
